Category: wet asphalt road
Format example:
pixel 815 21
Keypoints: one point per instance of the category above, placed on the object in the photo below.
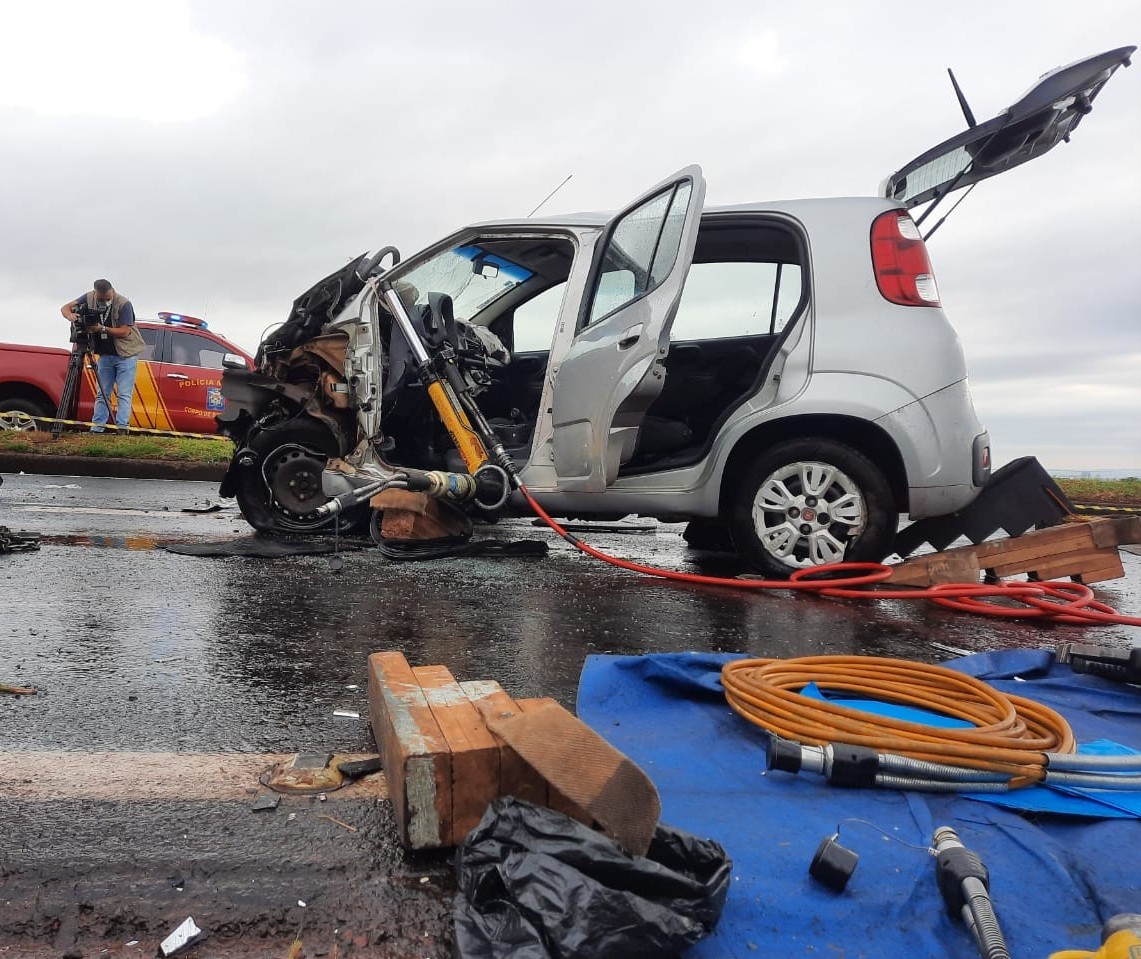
pixel 138 650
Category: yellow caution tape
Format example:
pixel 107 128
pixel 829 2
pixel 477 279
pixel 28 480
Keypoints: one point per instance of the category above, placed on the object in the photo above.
pixel 110 428
pixel 1097 508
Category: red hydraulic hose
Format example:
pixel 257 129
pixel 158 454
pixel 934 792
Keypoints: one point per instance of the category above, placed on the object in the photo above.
pixel 1058 602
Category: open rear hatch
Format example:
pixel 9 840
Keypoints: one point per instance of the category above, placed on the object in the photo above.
pixel 1045 116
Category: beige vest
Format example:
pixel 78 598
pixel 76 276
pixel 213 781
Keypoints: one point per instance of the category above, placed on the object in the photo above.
pixel 126 346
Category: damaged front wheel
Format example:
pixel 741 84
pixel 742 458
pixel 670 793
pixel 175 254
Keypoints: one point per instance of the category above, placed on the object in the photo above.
pixel 279 487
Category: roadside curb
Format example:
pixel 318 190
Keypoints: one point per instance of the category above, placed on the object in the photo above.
pixel 49 465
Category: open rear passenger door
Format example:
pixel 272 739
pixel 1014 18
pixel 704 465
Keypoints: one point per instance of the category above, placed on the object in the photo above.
pixel 615 367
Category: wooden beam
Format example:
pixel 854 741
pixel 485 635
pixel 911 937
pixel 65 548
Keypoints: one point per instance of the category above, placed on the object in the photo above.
pixel 416 755
pixel 1085 550
pixel 516 778
pixel 474 751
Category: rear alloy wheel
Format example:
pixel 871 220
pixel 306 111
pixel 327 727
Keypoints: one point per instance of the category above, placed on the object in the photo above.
pixel 810 502
pixel 281 491
pixel 11 420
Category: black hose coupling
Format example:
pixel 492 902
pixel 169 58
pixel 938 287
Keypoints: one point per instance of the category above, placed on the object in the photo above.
pixel 783 754
pixel 853 767
pixel 965 886
pixel 455 487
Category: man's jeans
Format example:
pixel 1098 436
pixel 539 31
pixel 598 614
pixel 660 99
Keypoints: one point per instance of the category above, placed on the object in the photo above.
pixel 118 372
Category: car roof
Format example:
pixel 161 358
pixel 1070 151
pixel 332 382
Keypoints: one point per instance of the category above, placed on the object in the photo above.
pixel 799 209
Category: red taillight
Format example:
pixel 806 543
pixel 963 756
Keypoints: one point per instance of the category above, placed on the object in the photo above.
pixel 899 258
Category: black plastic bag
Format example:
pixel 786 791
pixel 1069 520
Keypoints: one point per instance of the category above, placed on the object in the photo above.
pixel 535 884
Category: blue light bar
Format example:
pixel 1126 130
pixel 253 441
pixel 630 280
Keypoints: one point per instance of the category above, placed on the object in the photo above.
pixel 172 318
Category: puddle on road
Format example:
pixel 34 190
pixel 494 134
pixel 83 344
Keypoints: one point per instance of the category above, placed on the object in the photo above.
pixel 108 541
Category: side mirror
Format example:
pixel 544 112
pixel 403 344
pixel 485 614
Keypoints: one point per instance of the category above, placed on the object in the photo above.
pixel 232 361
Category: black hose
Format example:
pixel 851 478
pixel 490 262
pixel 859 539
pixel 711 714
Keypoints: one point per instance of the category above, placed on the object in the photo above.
pixel 448 546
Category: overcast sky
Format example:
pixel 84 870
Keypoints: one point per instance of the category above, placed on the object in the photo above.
pixel 219 157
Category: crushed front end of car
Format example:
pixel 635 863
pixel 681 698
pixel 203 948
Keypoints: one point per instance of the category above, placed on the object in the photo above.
pixel 346 403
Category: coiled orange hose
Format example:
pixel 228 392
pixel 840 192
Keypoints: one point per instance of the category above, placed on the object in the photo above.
pixel 1008 734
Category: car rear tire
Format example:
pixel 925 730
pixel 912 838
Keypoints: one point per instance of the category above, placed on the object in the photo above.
pixel 812 501
pixel 18 405
pixel 280 491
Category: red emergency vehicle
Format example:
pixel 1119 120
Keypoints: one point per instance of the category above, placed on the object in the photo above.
pixel 178 386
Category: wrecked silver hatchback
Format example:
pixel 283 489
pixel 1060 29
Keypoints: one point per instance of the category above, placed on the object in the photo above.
pixel 781 375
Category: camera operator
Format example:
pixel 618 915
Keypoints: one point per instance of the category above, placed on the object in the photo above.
pixel 107 319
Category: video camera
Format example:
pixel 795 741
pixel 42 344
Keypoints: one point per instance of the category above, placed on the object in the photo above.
pixel 83 326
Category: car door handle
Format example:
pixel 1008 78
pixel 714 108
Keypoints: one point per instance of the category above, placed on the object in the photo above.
pixel 630 336
pixel 177 376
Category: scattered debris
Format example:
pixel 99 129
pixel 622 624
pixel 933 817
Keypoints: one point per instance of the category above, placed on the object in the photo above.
pixel 17 542
pixel 360 767
pixel 305 774
pixel 953 650
pixel 18 690
pixel 339 822
pixel 312 760
pixel 347 713
pixel 183 937
pixel 266 800
pixel 209 507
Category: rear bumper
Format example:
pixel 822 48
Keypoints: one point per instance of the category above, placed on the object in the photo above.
pixel 945 450
pixel 940 500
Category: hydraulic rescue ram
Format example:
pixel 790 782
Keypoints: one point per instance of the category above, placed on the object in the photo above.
pixel 450 395
pixel 486 488
pixel 491 473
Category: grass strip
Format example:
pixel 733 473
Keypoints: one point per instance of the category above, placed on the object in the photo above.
pixel 171 448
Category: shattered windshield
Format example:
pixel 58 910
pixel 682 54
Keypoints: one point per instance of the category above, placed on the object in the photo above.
pixel 472 277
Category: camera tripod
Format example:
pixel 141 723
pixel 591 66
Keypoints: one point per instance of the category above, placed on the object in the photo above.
pixel 69 399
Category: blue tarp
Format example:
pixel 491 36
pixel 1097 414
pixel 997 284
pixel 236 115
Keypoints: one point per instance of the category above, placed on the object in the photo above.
pixel 1054 878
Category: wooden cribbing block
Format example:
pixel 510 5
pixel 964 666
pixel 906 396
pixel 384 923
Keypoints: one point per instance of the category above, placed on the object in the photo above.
pixel 417 758
pixel 474 751
pixel 449 749
pixel 1086 551
pixel 584 767
pixel 417 516
pixel 556 800
pixel 516 778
